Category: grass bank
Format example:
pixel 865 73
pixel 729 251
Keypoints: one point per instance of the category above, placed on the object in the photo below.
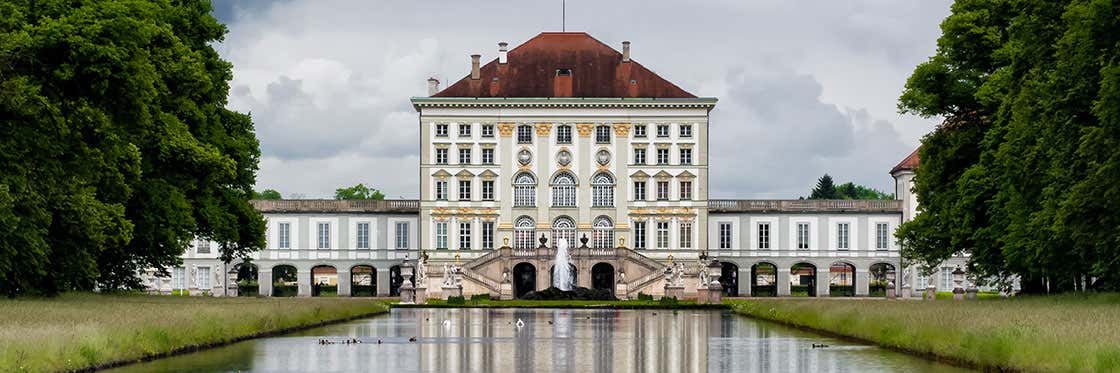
pixel 1074 332
pixel 613 304
pixel 82 331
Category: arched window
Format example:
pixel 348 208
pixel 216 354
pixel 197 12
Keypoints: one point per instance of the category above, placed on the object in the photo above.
pixel 524 231
pixel 602 190
pixel 603 230
pixel 564 228
pixel 564 190
pixel 524 190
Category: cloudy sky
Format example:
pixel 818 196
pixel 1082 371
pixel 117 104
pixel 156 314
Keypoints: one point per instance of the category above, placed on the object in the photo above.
pixel 805 87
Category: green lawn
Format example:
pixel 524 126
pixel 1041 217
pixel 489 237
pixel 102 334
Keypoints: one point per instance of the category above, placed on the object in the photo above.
pixel 75 331
pixel 1074 332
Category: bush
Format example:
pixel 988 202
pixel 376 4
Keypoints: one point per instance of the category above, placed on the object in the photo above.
pixel 645 297
pixel 668 301
pixel 280 290
pixel 456 300
pixel 480 297
pixel 764 291
pixel 841 290
pixel 799 290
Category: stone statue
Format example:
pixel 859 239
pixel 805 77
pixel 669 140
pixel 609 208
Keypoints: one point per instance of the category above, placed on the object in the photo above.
pixel 422 271
pixel 621 277
pixel 505 276
pixel 905 280
pixel 456 281
pixel 703 277
pixel 193 281
pixel 680 275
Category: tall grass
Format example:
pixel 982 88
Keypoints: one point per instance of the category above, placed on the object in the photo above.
pixel 1076 332
pixel 77 331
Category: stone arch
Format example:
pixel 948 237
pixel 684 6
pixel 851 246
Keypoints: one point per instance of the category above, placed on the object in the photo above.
pixel 764 279
pixel 564 184
pixel 564 227
pixel 524 232
pixel 842 279
pixel 363 280
pixel 524 279
pixel 729 278
pixel 285 280
pixel 883 275
pixel 602 189
pixel 602 276
pixel 602 232
pixel 803 279
pixel 324 281
pixel 248 275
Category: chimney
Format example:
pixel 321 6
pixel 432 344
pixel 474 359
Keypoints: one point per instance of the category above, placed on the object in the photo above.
pixel 476 73
pixel 502 55
pixel 433 86
pixel 626 51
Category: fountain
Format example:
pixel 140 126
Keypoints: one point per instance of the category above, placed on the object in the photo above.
pixel 561 267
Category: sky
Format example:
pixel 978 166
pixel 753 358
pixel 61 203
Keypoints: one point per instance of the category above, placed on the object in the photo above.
pixel 805 87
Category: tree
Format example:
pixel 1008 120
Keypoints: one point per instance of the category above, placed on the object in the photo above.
pixel 1024 174
pixel 269 194
pixel 116 145
pixel 359 191
pixel 852 190
pixel 825 189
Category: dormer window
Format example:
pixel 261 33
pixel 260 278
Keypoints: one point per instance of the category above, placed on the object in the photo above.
pixel 563 72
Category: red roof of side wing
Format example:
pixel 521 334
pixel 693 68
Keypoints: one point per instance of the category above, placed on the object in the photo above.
pixel 532 68
pixel 910 163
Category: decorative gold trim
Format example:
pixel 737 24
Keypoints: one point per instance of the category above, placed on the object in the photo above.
pixel 686 176
pixel 663 145
pixel 464 175
pixel 505 129
pixel 663 211
pixel 640 145
pixel 487 145
pixel 622 129
pixel 463 145
pixel 441 145
pixel 684 145
pixel 585 129
pixel 583 226
pixel 662 176
pixel 505 225
pixel 488 175
pixel 543 128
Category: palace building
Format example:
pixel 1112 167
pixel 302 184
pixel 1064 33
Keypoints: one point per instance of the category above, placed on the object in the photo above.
pixel 565 138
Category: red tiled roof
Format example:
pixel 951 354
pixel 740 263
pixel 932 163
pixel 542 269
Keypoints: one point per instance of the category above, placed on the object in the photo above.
pixel 909 163
pixel 597 70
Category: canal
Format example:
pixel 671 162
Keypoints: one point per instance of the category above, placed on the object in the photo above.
pixel 560 340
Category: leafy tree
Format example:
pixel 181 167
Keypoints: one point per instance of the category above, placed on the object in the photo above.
pixel 1024 174
pixel 825 189
pixel 116 146
pixel 359 191
pixel 269 194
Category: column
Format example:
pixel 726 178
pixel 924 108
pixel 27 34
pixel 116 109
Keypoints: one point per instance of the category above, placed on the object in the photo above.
pixel 863 278
pixel 744 281
pixel 506 156
pixel 303 277
pixel 264 282
pixel 344 282
pixel 783 281
pixel 382 282
pixel 823 281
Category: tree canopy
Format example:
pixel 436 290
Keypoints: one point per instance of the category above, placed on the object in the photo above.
pixel 115 142
pixel 826 189
pixel 359 191
pixel 269 194
pixel 1024 173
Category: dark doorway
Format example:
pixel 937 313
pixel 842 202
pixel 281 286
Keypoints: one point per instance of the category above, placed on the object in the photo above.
pixel 247 285
pixel 602 276
pixel 324 281
pixel 363 281
pixel 803 280
pixel 841 280
pixel 882 277
pixel 524 279
pixel 729 279
pixel 764 280
pixel 285 282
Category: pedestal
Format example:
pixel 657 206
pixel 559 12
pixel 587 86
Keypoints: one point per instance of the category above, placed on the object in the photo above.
pixel 674 291
pixel 970 293
pixel 621 290
pixel 454 291
pixel 232 290
pixel 702 295
pixel 408 294
pixel 890 292
pixel 505 291
pixel 715 293
pixel 906 291
pixel 931 293
pixel 958 293
pixel 421 295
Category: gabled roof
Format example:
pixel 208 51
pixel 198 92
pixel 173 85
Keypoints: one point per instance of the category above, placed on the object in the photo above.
pixel 908 164
pixel 597 70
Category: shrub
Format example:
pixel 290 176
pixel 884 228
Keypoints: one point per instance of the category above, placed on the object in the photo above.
pixel 645 297
pixel 480 297
pixel 456 300
pixel 668 301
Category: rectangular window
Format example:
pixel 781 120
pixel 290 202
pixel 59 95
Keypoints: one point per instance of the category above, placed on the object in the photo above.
pixel 363 235
pixel 686 130
pixel 464 130
pixel 487 130
pixel 564 134
pixel 284 235
pixel 603 134
pixel 464 190
pixel 639 235
pixel 686 190
pixel 639 156
pixel 487 235
pixel 802 235
pixel 402 235
pixel 662 130
pixel 639 191
pixel 178 278
pixel 203 246
pixel 662 190
pixel 882 236
pixel 441 235
pixel 203 278
pixel 842 230
pixel 441 190
pixel 686 156
pixel 662 156
pixel 464 236
pixel 324 235
pixel 441 155
pixel 947 279
pixel 686 234
pixel 725 235
pixel 923 282
pixel 464 155
pixel 764 236
pixel 488 190
pixel 639 130
pixel 524 134
pixel 662 235
pixel 487 156
pixel 441 130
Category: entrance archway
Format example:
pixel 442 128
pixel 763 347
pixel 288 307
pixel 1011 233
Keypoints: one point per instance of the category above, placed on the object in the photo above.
pixel 882 277
pixel 363 281
pixel 842 280
pixel 764 280
pixel 524 279
pixel 602 276
pixel 247 276
pixel 285 282
pixel 803 280
pixel 552 275
pixel 324 281
pixel 729 278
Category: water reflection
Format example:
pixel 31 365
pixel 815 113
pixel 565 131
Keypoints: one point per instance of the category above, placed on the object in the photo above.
pixel 489 340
